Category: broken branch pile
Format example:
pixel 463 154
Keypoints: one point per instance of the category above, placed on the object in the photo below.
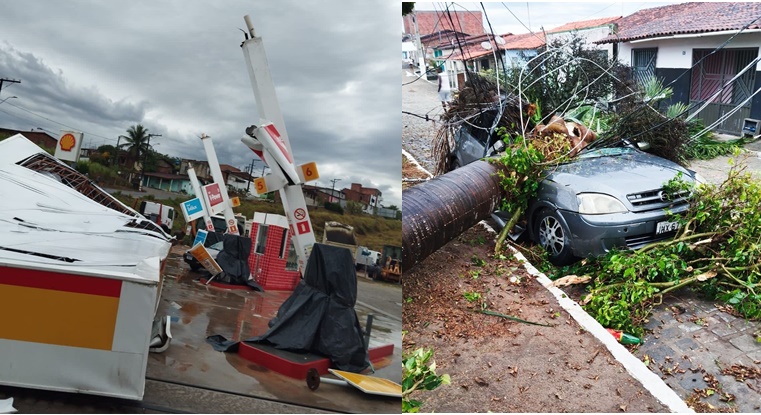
pixel 716 251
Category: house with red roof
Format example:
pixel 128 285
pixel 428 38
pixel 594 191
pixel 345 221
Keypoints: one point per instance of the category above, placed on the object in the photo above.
pixel 589 30
pixel 440 22
pixel 483 52
pixel 708 53
pixel 440 30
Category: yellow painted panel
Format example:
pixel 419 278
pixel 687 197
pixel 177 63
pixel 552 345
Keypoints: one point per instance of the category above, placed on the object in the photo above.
pixel 369 384
pixel 260 186
pixel 309 171
pixel 57 317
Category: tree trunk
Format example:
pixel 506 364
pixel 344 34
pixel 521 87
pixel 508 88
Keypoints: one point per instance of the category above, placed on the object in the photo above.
pixel 437 211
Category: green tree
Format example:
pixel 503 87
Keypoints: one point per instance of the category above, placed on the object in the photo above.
pixel 565 75
pixel 353 208
pixel 137 141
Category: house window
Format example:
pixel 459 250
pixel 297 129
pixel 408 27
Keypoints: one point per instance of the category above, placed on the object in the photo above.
pixel 292 263
pixel 643 64
pixel 261 238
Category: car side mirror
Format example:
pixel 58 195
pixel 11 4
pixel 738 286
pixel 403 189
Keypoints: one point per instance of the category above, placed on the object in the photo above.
pixel 644 146
pixel 498 147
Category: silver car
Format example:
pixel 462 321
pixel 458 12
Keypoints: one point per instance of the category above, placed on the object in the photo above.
pixel 605 198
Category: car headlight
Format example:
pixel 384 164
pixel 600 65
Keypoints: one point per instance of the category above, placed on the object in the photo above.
pixel 598 204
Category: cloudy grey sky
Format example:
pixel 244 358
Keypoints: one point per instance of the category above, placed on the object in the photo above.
pixel 177 68
pixel 531 16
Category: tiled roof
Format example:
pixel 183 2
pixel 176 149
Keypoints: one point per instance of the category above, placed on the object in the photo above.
pixel 585 24
pixel 432 21
pixel 227 167
pixel 471 52
pixel 525 41
pixel 168 176
pixel 442 39
pixel 686 18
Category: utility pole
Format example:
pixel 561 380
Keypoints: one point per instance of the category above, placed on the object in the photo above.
pixel 116 152
pixel 250 170
pixel 13 81
pixel 145 160
pixel 421 51
pixel 333 191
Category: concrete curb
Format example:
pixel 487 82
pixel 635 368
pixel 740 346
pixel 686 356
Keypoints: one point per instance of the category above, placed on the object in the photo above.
pixel 412 160
pixel 649 380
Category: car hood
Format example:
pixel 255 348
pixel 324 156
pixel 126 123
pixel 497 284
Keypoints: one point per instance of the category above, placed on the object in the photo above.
pixel 618 175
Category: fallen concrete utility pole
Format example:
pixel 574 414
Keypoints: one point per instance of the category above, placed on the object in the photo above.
pixel 437 211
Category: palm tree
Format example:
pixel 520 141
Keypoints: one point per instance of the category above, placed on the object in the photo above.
pixel 137 141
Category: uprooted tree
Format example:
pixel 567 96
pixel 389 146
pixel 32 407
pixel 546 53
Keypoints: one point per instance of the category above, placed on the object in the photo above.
pixel 717 251
pixel 718 248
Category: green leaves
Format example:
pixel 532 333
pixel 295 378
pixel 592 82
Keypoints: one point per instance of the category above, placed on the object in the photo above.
pixel 471 296
pixel 419 373
pixel 718 251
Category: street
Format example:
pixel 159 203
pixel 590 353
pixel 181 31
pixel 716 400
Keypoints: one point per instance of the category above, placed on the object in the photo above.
pixel 690 340
pixel 192 377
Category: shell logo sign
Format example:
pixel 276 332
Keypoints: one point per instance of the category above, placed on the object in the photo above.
pixel 67 142
pixel 68 146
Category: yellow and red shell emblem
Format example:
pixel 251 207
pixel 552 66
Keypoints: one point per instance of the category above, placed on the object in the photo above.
pixel 67 142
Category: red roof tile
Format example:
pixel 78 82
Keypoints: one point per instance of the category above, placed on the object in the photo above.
pixel 525 41
pixel 433 21
pixel 227 167
pixel 686 18
pixel 584 24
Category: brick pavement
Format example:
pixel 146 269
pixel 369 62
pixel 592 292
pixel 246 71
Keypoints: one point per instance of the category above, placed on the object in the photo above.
pixel 691 338
pixel 702 339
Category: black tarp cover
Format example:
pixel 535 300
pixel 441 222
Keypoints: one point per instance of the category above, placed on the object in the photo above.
pixel 233 259
pixel 319 315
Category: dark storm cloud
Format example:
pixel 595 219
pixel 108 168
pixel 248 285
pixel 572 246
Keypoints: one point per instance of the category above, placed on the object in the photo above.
pixel 177 68
pixel 47 91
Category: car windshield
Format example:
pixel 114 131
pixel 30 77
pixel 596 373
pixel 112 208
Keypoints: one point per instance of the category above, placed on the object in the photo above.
pixel 605 152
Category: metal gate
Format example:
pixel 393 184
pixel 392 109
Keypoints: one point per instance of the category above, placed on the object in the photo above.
pixel 713 72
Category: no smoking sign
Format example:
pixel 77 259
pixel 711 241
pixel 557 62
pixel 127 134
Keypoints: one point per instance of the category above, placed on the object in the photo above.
pixel 299 214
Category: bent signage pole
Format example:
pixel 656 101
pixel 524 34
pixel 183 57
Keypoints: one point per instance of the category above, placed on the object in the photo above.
pixel 211 194
pixel 270 142
pixel 199 195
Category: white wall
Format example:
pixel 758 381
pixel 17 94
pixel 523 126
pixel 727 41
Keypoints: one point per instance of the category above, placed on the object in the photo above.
pixel 677 52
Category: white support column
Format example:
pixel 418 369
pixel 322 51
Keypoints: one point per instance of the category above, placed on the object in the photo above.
pixel 216 174
pixel 199 194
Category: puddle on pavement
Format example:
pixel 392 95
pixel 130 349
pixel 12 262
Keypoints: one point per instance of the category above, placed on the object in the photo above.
pixel 198 311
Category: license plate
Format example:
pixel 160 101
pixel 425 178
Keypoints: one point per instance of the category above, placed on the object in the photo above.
pixel 665 227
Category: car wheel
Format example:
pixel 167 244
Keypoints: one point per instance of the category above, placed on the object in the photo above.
pixel 552 235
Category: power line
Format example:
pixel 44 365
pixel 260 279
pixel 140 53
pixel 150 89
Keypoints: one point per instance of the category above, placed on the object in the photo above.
pixel 13 81
pixel 53 121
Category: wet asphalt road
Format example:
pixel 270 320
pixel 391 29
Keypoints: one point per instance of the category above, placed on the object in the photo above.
pixel 190 377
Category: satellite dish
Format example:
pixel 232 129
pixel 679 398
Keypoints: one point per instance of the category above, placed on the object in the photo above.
pixel 499 40
pixel 486 45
